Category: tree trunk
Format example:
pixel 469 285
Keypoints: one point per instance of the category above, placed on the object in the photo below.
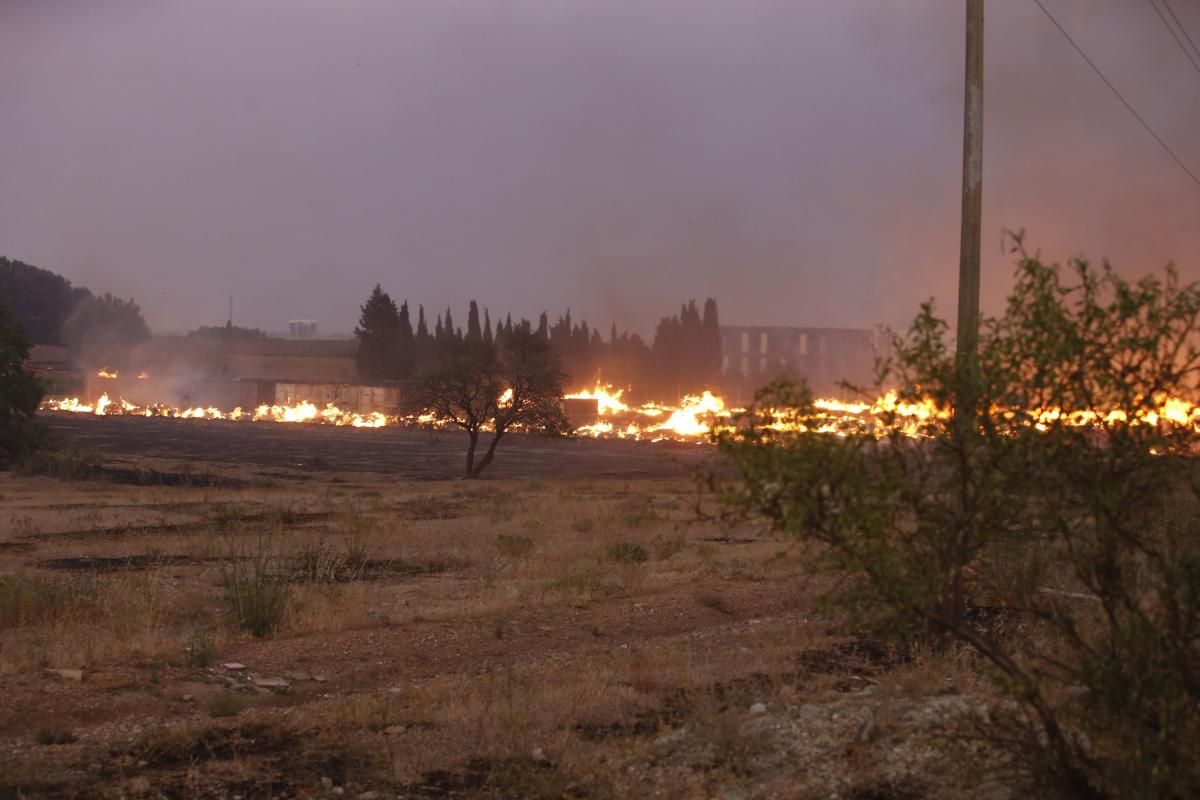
pixel 471 473
pixel 488 456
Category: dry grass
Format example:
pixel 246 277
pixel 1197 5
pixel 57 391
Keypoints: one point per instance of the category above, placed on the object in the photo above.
pixel 509 639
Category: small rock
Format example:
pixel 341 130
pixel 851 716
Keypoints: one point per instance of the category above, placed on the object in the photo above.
pixel 297 676
pixel 369 795
pixel 394 730
pixel 758 708
pixel 338 791
pixel 865 731
pixel 326 782
pixel 187 698
pixel 271 683
pixel 233 665
pixel 539 756
pixel 319 678
pixel 67 674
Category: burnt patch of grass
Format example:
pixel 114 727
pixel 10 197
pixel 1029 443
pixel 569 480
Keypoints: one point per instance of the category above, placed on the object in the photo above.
pixel 142 561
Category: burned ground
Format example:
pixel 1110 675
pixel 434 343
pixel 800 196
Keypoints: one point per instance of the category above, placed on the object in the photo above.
pixel 551 635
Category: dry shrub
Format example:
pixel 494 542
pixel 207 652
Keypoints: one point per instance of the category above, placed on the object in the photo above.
pixel 514 546
pixel 667 546
pixel 36 600
pixel 225 704
pixel 628 553
pixel 255 595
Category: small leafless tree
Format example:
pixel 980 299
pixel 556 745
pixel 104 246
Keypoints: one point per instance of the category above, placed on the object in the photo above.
pixel 480 388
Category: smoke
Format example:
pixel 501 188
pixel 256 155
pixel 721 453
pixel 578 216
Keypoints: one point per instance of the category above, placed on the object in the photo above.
pixel 797 160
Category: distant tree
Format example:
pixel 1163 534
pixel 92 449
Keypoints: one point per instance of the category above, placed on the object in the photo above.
pixel 687 349
pixel 54 312
pixel 20 393
pixel 378 335
pixel 474 329
pixel 405 343
pixel 227 331
pixel 103 329
pixel 476 387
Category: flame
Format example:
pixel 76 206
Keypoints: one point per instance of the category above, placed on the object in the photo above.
pixel 106 373
pixel 142 375
pixel 692 419
pixel 607 401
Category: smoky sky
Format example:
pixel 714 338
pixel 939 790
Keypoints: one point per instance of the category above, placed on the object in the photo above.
pixel 799 160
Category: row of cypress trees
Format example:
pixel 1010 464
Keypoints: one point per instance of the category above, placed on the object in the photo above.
pixel 684 356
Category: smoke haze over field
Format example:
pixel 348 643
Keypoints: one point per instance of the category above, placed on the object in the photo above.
pixel 799 160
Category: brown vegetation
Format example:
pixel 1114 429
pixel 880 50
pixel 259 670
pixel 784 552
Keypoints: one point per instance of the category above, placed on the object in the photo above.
pixel 518 638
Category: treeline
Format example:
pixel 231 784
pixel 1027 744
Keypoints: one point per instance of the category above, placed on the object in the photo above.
pixel 685 355
pixel 98 330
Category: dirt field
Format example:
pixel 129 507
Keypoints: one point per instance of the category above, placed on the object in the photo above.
pixel 416 454
pixel 557 635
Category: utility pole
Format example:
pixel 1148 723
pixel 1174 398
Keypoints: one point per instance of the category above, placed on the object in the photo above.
pixel 967 392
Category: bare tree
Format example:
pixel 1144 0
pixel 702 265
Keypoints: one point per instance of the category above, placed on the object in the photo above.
pixel 477 387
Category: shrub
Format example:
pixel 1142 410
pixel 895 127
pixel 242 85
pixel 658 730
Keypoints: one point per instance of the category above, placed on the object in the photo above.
pixel 320 562
pixel 225 704
pixel 198 650
pixel 33 600
pixel 54 735
pixel 255 595
pixel 628 553
pixel 514 546
pixel 665 547
pixel 1068 499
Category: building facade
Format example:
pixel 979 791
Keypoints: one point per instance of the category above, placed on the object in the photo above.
pixel 754 355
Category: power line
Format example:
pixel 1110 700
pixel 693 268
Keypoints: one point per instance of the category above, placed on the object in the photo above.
pixel 1113 89
pixel 1184 30
pixel 1175 36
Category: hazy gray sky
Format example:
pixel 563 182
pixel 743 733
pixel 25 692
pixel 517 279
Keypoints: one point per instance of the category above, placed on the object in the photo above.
pixel 798 159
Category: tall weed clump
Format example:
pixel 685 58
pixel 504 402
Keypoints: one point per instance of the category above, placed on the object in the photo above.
pixel 255 594
pixel 1056 531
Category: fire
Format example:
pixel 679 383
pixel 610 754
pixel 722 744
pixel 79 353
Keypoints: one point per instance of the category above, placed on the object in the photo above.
pixel 142 375
pixel 107 373
pixel 692 419
pixel 607 401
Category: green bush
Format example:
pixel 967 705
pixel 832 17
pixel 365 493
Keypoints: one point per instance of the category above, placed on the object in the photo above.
pixel 1068 501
